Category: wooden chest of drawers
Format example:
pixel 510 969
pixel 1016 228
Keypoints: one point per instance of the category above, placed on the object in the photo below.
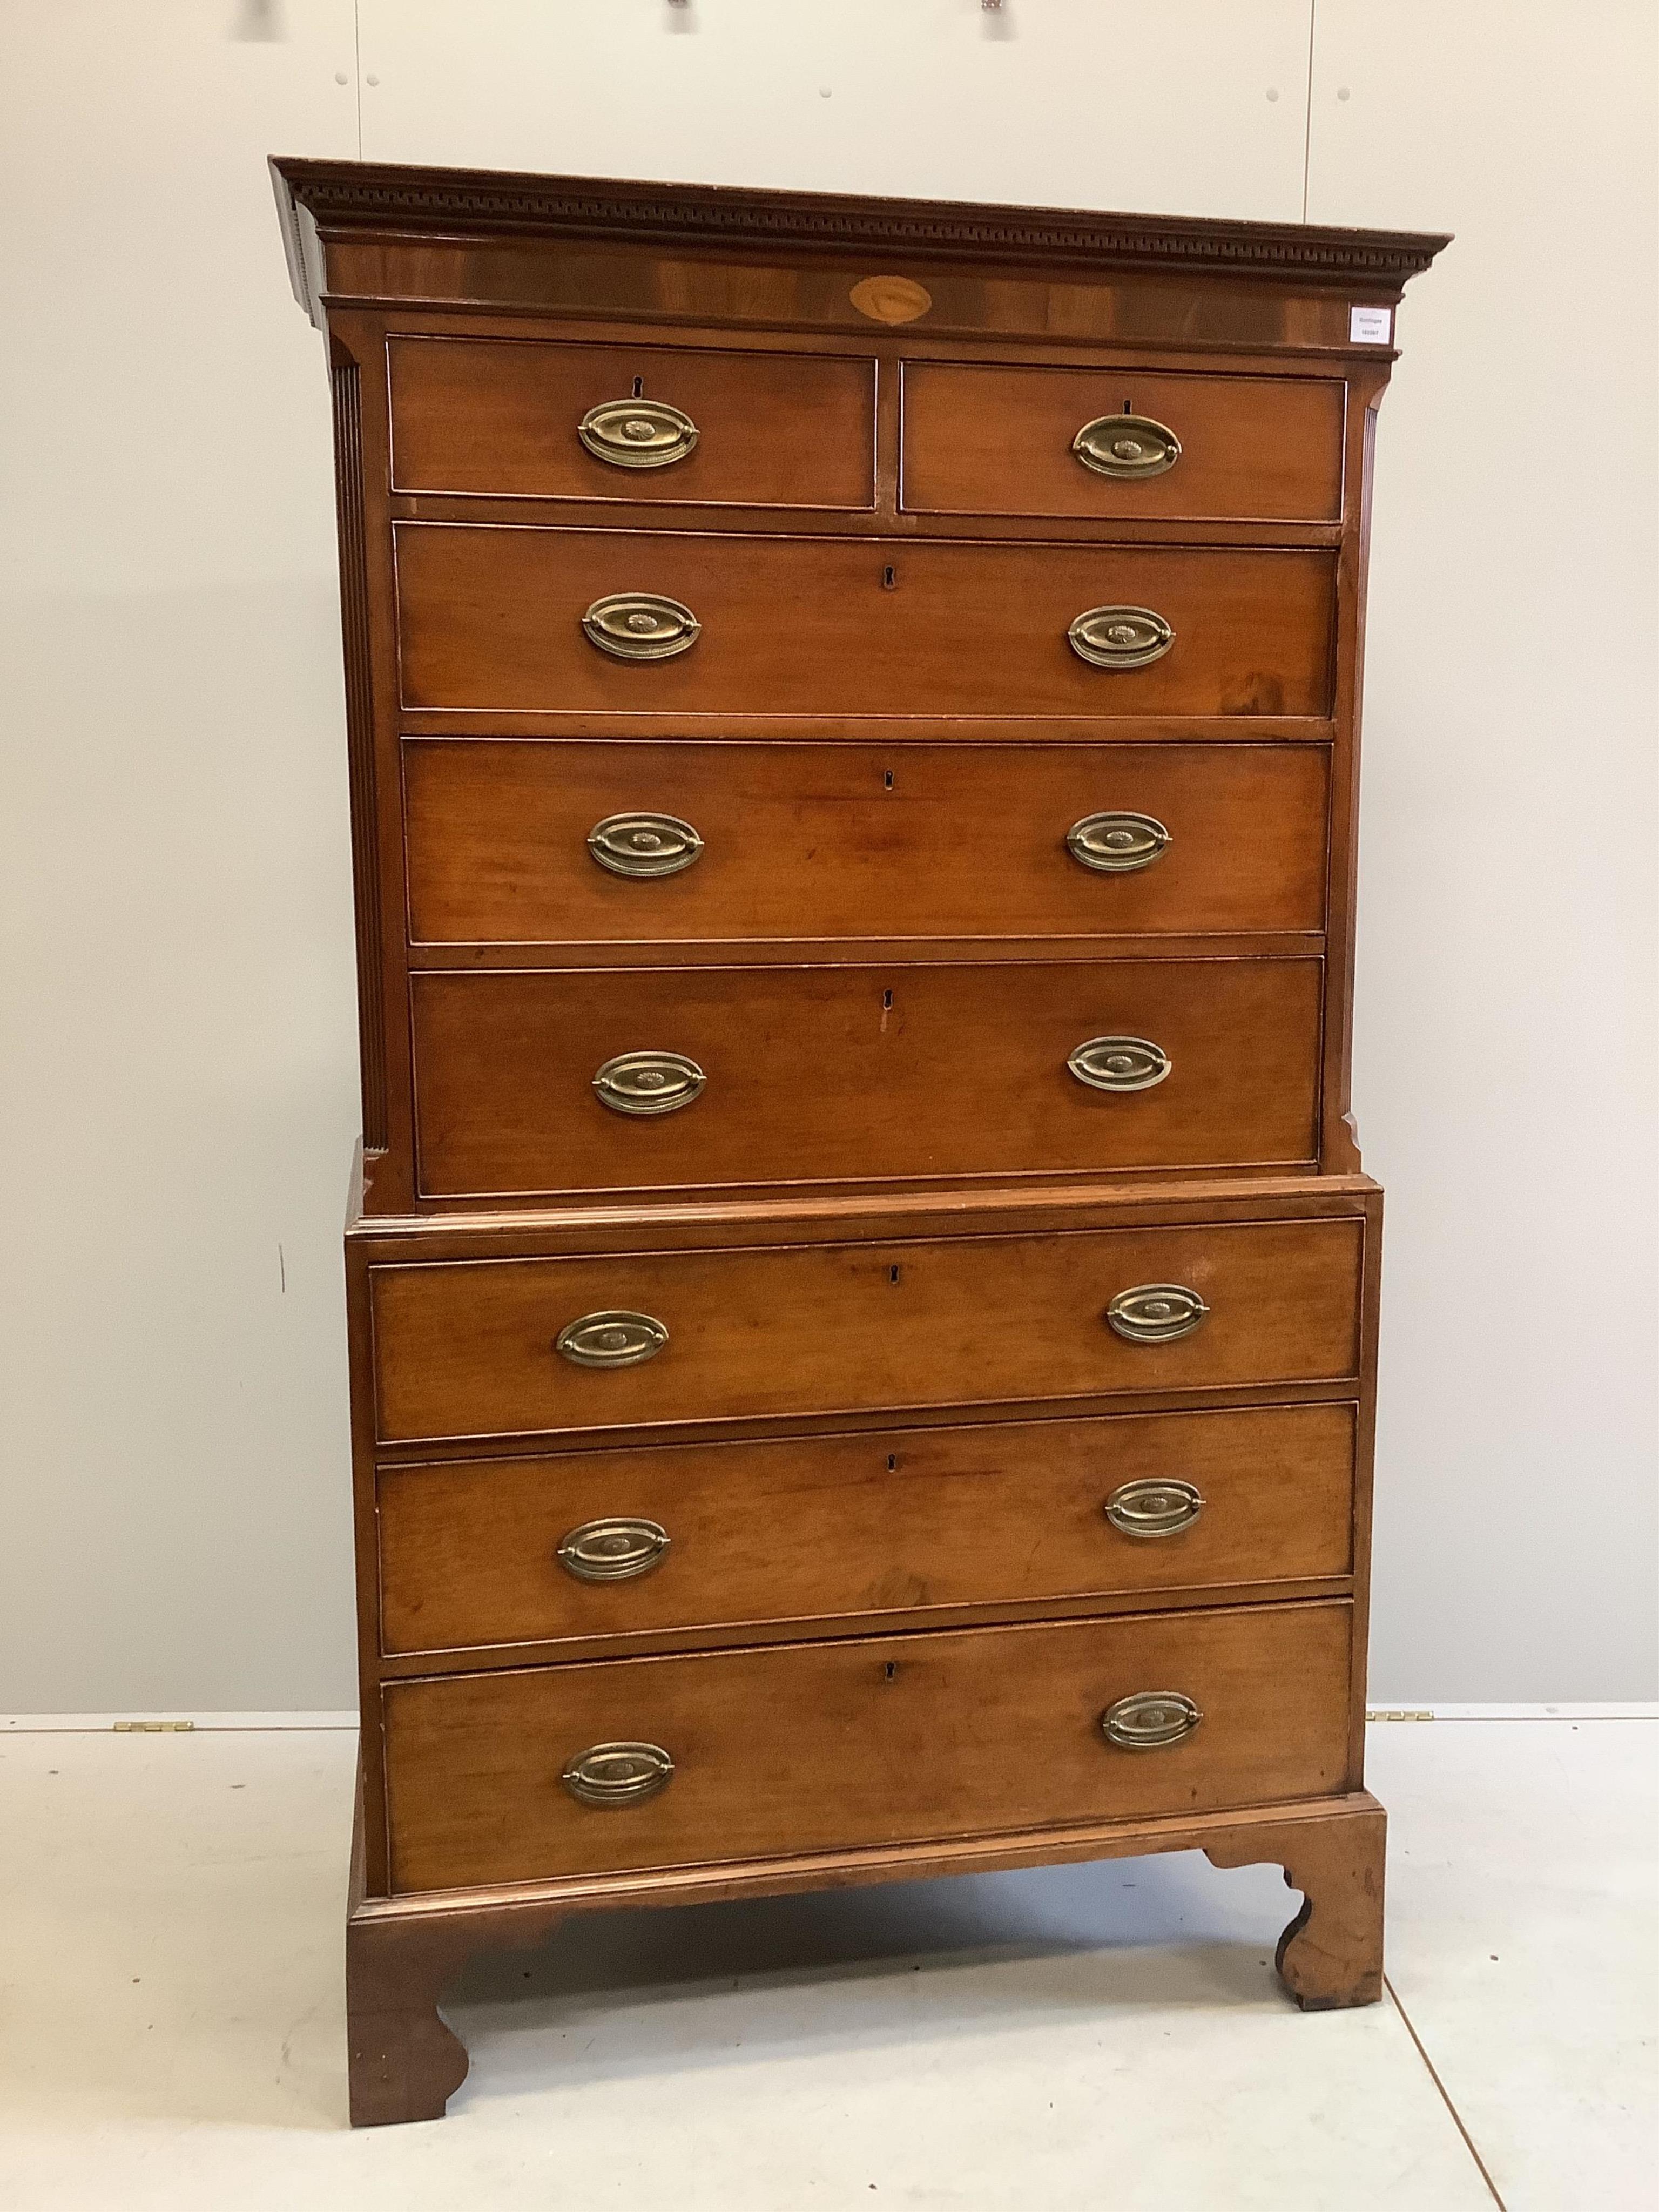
pixel 862 1295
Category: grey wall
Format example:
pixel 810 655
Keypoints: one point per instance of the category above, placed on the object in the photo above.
pixel 182 1054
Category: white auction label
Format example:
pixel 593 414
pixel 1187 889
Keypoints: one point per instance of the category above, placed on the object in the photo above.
pixel 1369 326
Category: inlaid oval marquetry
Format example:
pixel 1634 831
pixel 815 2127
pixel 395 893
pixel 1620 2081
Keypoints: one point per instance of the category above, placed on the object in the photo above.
pixel 610 1340
pixel 891 298
pixel 1152 1506
pixel 648 1083
pixel 613 1551
pixel 615 1775
pixel 1120 637
pixel 1156 1313
pixel 1127 447
pixel 640 626
pixel 1149 1720
pixel 637 434
pixel 1119 1063
pixel 644 845
pixel 1117 844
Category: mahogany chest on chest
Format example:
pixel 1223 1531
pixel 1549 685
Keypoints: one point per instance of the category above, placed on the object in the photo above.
pixel 862 1293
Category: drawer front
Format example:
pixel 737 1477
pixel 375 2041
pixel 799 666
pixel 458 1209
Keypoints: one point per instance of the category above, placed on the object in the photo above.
pixel 504 417
pixel 802 841
pixel 465 1348
pixel 984 439
pixel 683 1537
pixel 854 1073
pixel 491 618
pixel 827 1746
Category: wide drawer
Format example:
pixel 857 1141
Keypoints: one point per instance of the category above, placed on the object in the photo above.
pixel 853 840
pixel 856 1073
pixel 983 439
pixel 504 416
pixel 684 1537
pixel 492 618
pixel 837 1746
pixel 466 1348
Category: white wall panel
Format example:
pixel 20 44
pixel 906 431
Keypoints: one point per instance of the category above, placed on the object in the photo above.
pixel 1505 1065
pixel 1087 103
pixel 181 1088
pixel 181 1040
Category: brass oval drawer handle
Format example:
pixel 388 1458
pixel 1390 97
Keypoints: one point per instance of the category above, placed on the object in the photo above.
pixel 637 434
pixel 1114 844
pixel 649 1082
pixel 612 1775
pixel 1119 1063
pixel 613 1551
pixel 1148 1720
pixel 1120 637
pixel 610 1340
pixel 640 626
pixel 1151 1507
pixel 1127 447
pixel 1156 1313
pixel 644 845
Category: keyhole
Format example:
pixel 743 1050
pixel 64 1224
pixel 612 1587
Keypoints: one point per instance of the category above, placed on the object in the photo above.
pixel 639 387
pixel 889 579
pixel 1127 409
pixel 887 779
pixel 890 1669
pixel 892 1462
pixel 892 1274
pixel 886 1001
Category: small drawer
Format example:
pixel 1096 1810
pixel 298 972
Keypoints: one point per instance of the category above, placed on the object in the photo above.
pixel 1118 444
pixel 647 624
pixel 542 419
pixel 612 1079
pixel 820 1748
pixel 471 1348
pixel 572 841
pixel 680 1538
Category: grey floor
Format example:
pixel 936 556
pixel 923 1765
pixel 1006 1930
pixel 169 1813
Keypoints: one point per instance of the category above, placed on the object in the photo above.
pixel 171 2029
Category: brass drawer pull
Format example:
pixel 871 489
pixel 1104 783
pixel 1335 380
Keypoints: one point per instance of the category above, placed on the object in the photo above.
pixel 1150 1507
pixel 1114 844
pixel 640 626
pixel 1120 637
pixel 1150 1719
pixel 610 1340
pixel 1127 447
pixel 644 844
pixel 649 1082
pixel 1156 1313
pixel 613 1551
pixel 1119 1063
pixel 612 1775
pixel 637 434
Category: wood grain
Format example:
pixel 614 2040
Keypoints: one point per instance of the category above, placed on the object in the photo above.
pixel 851 842
pixel 989 440
pixel 499 417
pixel 845 1073
pixel 822 1745
pixel 466 1350
pixel 490 618
pixel 766 1534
